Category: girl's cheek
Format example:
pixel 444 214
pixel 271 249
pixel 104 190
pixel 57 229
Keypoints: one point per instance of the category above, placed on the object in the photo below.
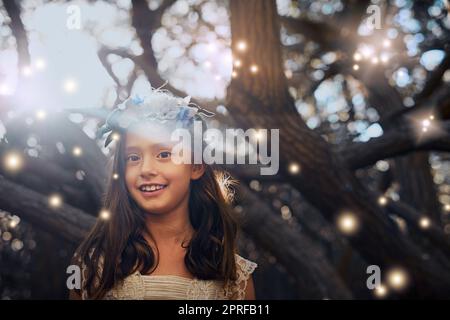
pixel 130 176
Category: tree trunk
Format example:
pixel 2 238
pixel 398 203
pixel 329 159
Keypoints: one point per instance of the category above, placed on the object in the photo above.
pixel 417 186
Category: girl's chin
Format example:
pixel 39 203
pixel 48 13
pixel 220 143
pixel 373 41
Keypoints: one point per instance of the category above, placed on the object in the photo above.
pixel 155 211
pixel 153 208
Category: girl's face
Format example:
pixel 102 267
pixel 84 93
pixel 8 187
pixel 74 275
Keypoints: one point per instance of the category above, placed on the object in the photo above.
pixel 148 164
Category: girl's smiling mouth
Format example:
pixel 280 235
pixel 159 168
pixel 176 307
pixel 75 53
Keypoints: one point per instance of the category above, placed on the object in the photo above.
pixel 152 190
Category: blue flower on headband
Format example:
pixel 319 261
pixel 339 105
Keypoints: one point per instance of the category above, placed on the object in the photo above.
pixel 183 114
pixel 137 100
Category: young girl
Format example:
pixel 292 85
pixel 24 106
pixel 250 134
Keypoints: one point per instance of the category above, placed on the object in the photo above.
pixel 167 231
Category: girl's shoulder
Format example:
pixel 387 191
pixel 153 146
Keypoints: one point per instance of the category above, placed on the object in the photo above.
pixel 244 269
pixel 244 266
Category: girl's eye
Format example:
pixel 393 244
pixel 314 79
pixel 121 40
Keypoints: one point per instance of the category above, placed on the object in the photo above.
pixel 164 155
pixel 132 157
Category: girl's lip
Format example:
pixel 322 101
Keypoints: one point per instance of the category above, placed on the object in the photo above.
pixel 149 194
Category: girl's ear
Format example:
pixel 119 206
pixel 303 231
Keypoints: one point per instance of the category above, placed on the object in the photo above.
pixel 197 171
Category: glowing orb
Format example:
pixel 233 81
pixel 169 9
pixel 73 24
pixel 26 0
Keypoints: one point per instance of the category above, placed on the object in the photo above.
pixel 424 222
pixel 348 223
pixel 382 201
pixel 397 278
pixel 105 214
pixel 381 291
pixel 254 68
pixel 13 161
pixel 55 201
pixel 294 168
pixel 241 46
pixel 77 151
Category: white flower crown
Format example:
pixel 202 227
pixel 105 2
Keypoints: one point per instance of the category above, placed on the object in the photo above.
pixel 158 105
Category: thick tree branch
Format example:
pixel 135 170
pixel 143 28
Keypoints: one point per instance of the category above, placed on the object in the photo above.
pixel 146 22
pixel 300 256
pixel 18 31
pixel 103 55
pixel 66 221
pixel 413 217
pixel 394 142
pixel 319 32
pixel 45 177
pixel 57 128
pixel 433 82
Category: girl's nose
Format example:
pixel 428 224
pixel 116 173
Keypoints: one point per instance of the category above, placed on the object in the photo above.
pixel 149 167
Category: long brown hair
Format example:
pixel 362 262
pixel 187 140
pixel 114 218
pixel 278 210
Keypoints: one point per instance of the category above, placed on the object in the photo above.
pixel 119 245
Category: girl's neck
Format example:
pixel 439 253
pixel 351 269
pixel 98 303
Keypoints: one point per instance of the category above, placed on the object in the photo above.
pixel 172 228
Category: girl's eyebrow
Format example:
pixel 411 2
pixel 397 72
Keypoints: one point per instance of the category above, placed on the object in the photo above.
pixel 154 146
pixel 161 145
pixel 131 148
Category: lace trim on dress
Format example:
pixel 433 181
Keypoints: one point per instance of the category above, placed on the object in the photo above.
pixel 244 269
pixel 134 286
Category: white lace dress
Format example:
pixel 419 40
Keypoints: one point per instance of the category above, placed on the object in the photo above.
pixel 156 287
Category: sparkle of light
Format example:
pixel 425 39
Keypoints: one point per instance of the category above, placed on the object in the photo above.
pixel 382 201
pixel 294 168
pixel 258 135
pixel 347 223
pixel 105 214
pixel 27 71
pixel 4 89
pixel 367 51
pixel 254 68
pixel 41 114
pixel 77 151
pixel 424 222
pixel 55 201
pixel 355 67
pixel 70 86
pixel 208 64
pixel 13 224
pixel 13 161
pixel 381 291
pixel 40 64
pixel 241 46
pixel 397 278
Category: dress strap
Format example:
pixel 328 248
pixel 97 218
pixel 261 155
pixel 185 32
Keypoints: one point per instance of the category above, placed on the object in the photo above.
pixel 244 269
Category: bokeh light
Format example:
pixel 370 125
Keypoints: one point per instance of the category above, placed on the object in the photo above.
pixel 348 223
pixel 398 278
pixel 55 201
pixel 13 161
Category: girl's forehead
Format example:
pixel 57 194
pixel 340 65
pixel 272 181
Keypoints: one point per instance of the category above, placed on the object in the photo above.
pixel 147 135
